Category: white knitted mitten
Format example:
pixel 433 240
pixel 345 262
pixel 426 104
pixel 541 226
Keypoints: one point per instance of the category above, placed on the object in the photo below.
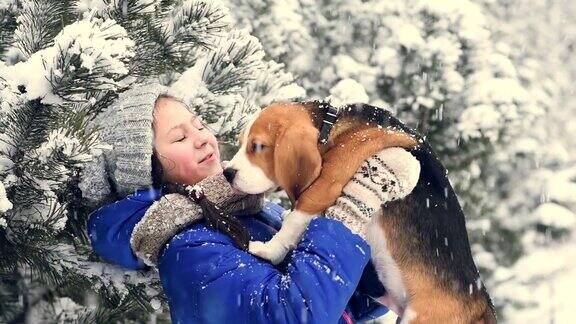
pixel 389 175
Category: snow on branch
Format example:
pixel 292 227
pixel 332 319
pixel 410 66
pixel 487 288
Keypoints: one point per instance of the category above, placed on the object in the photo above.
pixel 89 55
pixel 195 23
pixel 235 62
pixel 38 23
pixel 117 9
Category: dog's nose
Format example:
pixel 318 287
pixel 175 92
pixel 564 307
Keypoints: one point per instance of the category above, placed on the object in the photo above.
pixel 229 174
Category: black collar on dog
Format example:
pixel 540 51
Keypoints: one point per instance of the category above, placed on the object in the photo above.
pixel 330 117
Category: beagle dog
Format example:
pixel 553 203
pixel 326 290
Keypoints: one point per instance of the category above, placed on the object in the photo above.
pixel 420 247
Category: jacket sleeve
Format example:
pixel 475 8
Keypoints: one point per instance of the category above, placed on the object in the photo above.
pixel 209 280
pixel 111 226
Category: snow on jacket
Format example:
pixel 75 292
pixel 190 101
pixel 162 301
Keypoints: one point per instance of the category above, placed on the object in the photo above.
pixel 207 279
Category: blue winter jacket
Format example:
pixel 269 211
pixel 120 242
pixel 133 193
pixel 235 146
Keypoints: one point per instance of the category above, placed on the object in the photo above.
pixel 207 279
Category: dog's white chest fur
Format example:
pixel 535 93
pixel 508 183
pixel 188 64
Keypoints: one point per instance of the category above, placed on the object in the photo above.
pixel 387 270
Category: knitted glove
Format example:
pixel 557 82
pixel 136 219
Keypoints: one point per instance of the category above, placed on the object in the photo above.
pixel 173 212
pixel 389 175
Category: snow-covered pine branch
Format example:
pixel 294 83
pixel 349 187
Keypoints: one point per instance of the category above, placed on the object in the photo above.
pixel 195 23
pixel 236 61
pixel 119 10
pixel 273 83
pixel 87 56
pixel 38 23
pixel 7 24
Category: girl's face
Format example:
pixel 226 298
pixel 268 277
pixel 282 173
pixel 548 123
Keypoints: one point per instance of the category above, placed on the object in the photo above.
pixel 188 151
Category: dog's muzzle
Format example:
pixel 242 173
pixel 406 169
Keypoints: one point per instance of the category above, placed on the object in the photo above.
pixel 230 174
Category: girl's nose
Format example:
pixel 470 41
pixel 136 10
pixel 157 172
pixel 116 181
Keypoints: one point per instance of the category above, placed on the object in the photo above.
pixel 200 143
pixel 201 140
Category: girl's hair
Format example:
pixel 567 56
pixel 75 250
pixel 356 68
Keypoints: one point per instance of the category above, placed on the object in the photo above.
pixel 215 218
pixel 158 178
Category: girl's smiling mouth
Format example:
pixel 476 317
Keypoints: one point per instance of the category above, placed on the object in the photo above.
pixel 208 158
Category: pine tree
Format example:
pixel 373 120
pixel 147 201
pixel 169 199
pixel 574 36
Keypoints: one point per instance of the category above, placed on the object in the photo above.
pixel 63 62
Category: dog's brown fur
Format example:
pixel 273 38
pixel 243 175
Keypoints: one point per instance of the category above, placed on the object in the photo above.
pixel 430 297
pixel 314 179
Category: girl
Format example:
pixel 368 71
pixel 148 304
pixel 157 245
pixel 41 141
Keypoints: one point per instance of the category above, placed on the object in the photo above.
pixel 157 147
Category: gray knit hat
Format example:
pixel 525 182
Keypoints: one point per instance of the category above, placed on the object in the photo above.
pixel 125 163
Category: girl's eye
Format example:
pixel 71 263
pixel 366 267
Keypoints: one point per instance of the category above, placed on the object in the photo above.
pixel 180 140
pixel 199 124
pixel 257 147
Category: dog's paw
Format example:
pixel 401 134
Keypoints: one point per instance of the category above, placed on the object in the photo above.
pixel 257 248
pixel 268 251
pixel 261 249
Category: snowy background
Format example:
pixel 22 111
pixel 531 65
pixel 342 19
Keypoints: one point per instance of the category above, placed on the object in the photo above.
pixel 489 82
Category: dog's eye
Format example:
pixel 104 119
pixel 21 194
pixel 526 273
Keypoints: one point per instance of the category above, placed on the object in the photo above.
pixel 257 147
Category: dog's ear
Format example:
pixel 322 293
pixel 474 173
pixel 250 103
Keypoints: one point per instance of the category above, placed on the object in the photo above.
pixel 297 160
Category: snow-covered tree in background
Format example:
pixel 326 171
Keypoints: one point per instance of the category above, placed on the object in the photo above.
pixel 487 82
pixel 63 62
pixel 536 196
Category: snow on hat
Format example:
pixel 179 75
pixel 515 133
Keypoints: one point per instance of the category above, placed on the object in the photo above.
pixel 125 161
